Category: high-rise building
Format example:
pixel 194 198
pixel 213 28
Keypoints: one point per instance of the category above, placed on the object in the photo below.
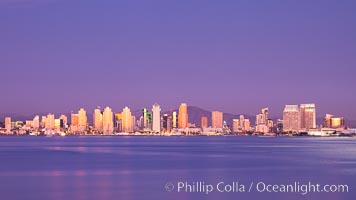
pixel 156 118
pixel 50 122
pixel 74 123
pixel 43 121
pixel 262 121
pixel 174 120
pixel 126 120
pixel 242 121
pixel 235 125
pixel 107 121
pixel 36 122
pixel 98 120
pixel 146 118
pixel 216 119
pixel 118 122
pixel 8 124
pixel 247 125
pixel 82 120
pixel 183 116
pixel 64 121
pixel 279 125
pixel 291 118
pixel 307 116
pixel 204 122
pixel 57 123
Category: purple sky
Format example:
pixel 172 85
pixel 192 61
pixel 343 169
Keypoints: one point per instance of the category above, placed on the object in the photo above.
pixel 234 56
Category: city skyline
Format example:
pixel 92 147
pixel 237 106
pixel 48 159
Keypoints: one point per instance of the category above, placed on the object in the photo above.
pixel 231 56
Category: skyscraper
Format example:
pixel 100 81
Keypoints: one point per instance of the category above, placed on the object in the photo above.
pixel 247 125
pixel 174 120
pixel 107 120
pixel 74 123
pixel 235 125
pixel 242 120
pixel 126 120
pixel 82 120
pixel 8 124
pixel 183 116
pixel 156 118
pixel 262 121
pixel 98 120
pixel 50 122
pixel 291 118
pixel 216 119
pixel 307 116
pixel 204 122
pixel 64 121
pixel 36 122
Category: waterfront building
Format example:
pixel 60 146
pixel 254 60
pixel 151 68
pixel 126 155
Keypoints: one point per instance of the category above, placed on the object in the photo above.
pixel 98 120
pixel 247 125
pixel 236 125
pixel 333 122
pixel 36 122
pixel 204 122
pixel 174 120
pixel 241 121
pixel 8 126
pixel 118 122
pixel 262 121
pixel 50 122
pixel 291 117
pixel 74 123
pixel 82 120
pixel 156 118
pixel 107 121
pixel 183 116
pixel 64 121
pixel 126 120
pixel 216 119
pixel 307 116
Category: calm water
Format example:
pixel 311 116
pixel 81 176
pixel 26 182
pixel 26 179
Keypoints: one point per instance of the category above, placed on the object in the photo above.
pixel 100 168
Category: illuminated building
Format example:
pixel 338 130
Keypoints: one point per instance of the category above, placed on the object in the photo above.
pixel 98 120
pixel 107 120
pixel 118 122
pixel 262 121
pixel 36 122
pixel 291 118
pixel 242 121
pixel 333 122
pixel 247 125
pixel 156 118
pixel 50 122
pixel 43 121
pixel 126 120
pixel 82 120
pixel 74 123
pixel 8 126
pixel 183 116
pixel 216 119
pixel 174 120
pixel 64 121
pixel 307 116
pixel 57 123
pixel 204 122
pixel 235 125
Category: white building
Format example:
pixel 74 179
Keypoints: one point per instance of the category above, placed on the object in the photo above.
pixel 156 118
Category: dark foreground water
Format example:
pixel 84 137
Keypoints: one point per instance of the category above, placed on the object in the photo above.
pixel 100 168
